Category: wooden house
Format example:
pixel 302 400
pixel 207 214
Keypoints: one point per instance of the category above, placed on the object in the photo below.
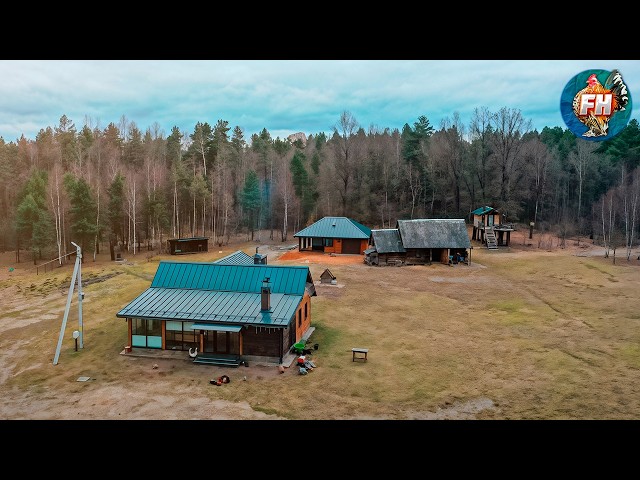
pixel 334 235
pixel 490 227
pixel 419 242
pixel 180 246
pixel 230 313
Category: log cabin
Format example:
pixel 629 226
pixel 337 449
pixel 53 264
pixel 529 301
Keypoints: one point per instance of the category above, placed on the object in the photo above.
pixel 419 242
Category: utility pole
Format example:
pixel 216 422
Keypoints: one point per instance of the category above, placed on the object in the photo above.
pixel 76 274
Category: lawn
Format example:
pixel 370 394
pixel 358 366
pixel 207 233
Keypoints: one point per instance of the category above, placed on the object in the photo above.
pixel 521 333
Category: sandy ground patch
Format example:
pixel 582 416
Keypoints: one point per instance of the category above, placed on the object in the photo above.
pixel 524 332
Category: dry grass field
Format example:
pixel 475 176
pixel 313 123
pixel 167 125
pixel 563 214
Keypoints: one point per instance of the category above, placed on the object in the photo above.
pixel 521 333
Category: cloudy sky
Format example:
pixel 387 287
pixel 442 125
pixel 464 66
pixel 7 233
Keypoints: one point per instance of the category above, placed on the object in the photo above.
pixel 284 96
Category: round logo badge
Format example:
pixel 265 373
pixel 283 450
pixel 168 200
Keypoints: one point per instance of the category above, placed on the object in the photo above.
pixel 596 104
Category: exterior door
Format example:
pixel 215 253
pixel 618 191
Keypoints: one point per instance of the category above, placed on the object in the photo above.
pixel 216 342
pixel 350 245
pixel 221 343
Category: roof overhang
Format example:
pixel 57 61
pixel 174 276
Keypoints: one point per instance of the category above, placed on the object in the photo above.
pixel 216 327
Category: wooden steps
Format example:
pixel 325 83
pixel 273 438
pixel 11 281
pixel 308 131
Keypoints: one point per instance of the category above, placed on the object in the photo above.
pixel 490 237
pixel 213 360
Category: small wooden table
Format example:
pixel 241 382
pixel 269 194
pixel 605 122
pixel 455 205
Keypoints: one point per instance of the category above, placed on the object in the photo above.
pixel 361 351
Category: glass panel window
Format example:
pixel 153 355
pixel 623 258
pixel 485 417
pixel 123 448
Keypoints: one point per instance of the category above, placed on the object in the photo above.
pixel 221 342
pixel 139 326
pixel 209 341
pixel 154 328
pixel 328 242
pixel 175 326
pixel 173 340
pixel 186 326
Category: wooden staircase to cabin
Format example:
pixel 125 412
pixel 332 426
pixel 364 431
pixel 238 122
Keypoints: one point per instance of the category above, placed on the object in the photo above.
pixel 490 237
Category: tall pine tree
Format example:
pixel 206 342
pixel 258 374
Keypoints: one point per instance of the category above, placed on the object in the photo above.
pixel 82 211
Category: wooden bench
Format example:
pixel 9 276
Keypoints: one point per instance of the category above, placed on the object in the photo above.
pixel 363 351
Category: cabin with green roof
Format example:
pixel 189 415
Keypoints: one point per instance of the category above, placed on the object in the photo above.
pixel 490 228
pixel 228 311
pixel 334 235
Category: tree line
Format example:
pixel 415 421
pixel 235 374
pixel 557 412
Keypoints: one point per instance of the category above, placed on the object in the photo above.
pixel 133 190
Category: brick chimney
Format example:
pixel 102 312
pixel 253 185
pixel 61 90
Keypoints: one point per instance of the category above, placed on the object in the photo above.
pixel 265 296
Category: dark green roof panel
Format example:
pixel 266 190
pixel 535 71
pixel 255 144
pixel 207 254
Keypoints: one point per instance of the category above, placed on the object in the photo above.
pixel 211 306
pixel 236 258
pixel 335 227
pixel 482 210
pixel 289 280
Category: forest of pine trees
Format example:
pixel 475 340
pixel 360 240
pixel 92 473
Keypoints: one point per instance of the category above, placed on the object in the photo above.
pixel 126 189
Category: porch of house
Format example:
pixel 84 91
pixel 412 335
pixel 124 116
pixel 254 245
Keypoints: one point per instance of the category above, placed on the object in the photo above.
pixel 287 360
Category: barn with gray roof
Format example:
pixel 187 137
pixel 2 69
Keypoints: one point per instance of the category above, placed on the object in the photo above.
pixel 419 242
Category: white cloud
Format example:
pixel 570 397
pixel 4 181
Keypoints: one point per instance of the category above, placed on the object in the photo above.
pixel 283 95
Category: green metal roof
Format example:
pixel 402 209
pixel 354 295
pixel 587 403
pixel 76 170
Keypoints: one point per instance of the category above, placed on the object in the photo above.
pixel 206 306
pixel 335 227
pixel 236 258
pixel 387 240
pixel 212 293
pixel 434 233
pixel 289 280
pixel 482 210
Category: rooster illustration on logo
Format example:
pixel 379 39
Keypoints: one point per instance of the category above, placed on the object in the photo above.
pixel 596 104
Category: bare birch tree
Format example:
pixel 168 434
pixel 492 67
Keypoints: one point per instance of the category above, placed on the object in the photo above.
pixel 344 144
pixel 630 195
pixel 509 128
pixel 538 159
pixel 580 159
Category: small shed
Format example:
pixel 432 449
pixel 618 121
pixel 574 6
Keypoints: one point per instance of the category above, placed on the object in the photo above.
pixel 328 277
pixel 180 246
pixel 386 248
